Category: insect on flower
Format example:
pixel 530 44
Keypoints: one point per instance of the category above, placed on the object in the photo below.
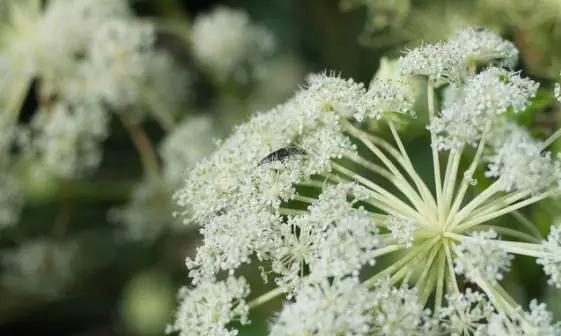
pixel 282 154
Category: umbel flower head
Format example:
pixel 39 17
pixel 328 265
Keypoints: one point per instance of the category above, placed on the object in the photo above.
pixel 314 197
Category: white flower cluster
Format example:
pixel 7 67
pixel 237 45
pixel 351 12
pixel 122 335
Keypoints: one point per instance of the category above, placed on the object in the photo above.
pixel 466 313
pixel 385 96
pixel 481 105
pixel 520 162
pixel 333 240
pixel 100 59
pixel 298 191
pixel 126 71
pixel 227 44
pixel 40 44
pixel 538 321
pixel 210 307
pixel 441 62
pixel 552 262
pixel 40 267
pixel 118 55
pixel 397 311
pixel 339 308
pixel 346 308
pixel 402 230
pixel 450 61
pixel 335 93
pixel 238 189
pixel 67 138
pixel 482 47
pixel 480 257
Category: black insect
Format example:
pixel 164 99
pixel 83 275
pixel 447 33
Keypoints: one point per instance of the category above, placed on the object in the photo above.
pixel 282 154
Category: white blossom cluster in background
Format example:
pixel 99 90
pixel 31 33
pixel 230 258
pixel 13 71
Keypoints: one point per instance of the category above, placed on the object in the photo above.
pixel 101 60
pixel 228 45
pixel 67 138
pixel 39 267
pixel 296 190
pixel 181 149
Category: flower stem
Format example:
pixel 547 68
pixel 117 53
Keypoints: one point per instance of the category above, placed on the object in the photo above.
pixel 465 183
pixel 453 284
pixel 527 224
pixel 511 232
pixel 414 253
pixel 386 197
pixel 369 141
pixel 143 146
pixel 435 157
pixel 484 218
pixel 265 297
pixel 440 281
pixel 551 139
